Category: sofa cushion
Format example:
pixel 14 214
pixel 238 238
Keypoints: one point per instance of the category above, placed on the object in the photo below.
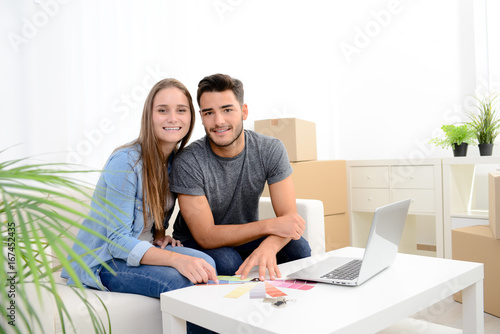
pixel 129 313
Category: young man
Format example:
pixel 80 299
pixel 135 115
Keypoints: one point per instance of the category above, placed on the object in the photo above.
pixel 219 180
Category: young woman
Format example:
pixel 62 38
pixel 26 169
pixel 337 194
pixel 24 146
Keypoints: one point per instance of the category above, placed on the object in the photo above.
pixel 133 190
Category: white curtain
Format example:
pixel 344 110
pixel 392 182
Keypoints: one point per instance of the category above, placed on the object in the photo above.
pixel 75 73
pixel 78 73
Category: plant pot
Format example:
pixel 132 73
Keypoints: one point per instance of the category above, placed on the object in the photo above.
pixel 460 150
pixel 485 149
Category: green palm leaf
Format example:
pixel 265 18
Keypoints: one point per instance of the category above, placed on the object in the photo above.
pixel 34 219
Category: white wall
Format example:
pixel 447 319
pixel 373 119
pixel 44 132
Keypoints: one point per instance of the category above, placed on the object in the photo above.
pixel 378 77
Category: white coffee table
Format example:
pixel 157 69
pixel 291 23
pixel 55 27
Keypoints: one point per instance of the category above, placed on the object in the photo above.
pixel 411 284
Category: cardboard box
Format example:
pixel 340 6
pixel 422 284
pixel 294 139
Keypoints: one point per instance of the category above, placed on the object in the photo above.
pixel 325 180
pixel 337 231
pixel 477 244
pixel 299 136
pixel 494 202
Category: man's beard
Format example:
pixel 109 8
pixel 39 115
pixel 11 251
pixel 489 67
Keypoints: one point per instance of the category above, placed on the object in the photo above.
pixel 230 143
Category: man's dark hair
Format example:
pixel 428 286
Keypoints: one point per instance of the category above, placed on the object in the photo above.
pixel 219 83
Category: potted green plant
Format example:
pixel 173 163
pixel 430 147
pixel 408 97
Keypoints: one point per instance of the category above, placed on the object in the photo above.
pixel 485 123
pixel 458 137
pixel 32 219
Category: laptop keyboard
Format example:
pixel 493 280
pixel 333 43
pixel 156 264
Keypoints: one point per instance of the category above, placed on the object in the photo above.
pixel 348 271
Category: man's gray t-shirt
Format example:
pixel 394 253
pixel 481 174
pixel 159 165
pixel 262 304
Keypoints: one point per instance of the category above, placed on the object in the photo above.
pixel 233 186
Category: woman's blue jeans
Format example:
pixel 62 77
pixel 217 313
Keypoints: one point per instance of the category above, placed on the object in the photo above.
pixel 149 280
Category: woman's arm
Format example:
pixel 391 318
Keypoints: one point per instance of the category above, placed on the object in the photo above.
pixel 197 270
pixel 122 184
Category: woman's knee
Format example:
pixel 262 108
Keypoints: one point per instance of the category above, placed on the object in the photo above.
pixel 209 259
pixel 194 253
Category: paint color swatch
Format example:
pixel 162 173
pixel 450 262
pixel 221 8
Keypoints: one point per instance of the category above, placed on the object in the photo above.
pixel 293 284
pixel 259 291
pixel 227 280
pixel 241 290
pixel 273 291
pixel 233 279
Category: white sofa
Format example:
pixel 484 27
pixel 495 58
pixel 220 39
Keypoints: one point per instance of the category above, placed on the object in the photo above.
pixel 133 314
pixel 313 213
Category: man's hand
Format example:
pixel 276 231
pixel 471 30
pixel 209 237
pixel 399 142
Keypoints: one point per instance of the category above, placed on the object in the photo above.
pixel 263 256
pixel 289 226
pixel 164 241
pixel 193 268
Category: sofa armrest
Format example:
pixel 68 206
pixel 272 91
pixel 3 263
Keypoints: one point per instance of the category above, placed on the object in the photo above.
pixel 313 213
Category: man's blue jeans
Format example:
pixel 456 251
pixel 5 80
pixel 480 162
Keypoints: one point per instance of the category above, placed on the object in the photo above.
pixel 149 280
pixel 229 259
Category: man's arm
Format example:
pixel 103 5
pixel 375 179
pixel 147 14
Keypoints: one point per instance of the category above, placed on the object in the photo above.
pixel 285 207
pixel 198 216
pixel 283 197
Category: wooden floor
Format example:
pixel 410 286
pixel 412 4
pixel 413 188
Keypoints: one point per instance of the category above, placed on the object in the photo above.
pixel 449 313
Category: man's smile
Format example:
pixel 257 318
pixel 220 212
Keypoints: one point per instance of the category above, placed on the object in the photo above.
pixel 221 129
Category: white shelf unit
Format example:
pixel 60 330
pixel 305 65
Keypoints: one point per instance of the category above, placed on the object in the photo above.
pixel 465 192
pixel 373 183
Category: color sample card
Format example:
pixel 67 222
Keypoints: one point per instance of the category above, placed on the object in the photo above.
pixel 227 280
pixel 273 291
pixel 241 290
pixel 233 279
pixel 258 291
pixel 293 284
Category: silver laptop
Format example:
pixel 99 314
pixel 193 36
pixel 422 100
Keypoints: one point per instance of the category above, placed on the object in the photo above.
pixel 381 249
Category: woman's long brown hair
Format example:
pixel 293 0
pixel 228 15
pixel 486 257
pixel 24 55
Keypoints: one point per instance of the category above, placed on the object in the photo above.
pixel 154 170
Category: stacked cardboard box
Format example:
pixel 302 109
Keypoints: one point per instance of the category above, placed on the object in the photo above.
pixel 481 244
pixel 494 203
pixel 324 180
pixel 478 244
pixel 298 136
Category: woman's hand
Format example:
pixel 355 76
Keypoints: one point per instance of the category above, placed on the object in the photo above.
pixel 195 269
pixel 162 242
